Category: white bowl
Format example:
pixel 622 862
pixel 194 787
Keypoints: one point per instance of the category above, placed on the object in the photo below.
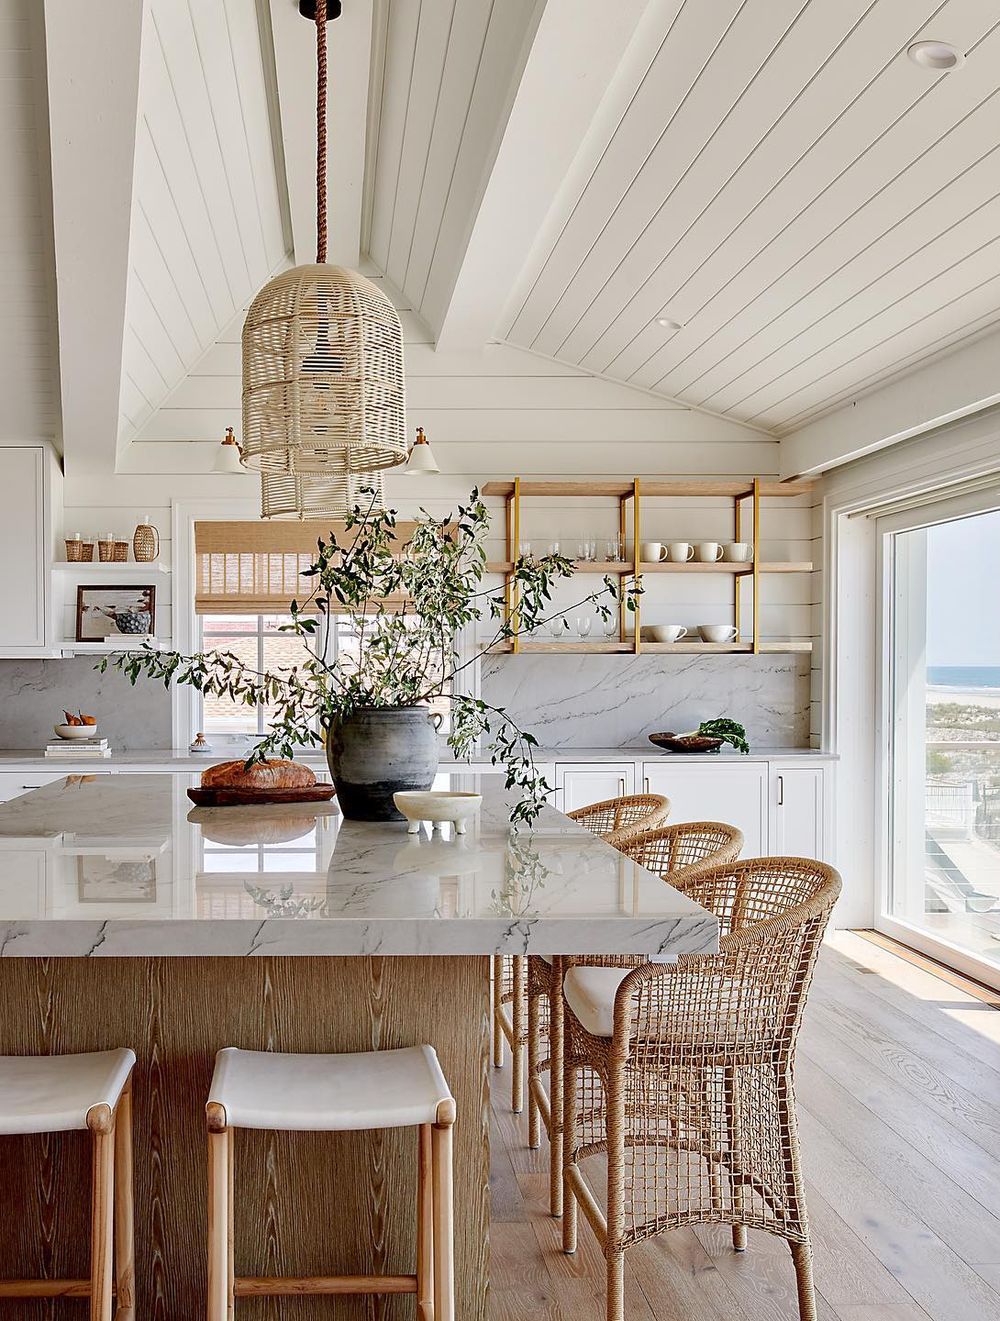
pixel 75 731
pixel 437 807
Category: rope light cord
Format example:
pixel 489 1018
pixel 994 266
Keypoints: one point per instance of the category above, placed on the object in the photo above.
pixel 321 80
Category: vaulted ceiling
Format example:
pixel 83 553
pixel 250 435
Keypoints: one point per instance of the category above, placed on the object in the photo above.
pixel 758 208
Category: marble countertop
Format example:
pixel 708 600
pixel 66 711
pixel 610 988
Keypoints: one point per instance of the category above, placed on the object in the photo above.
pixel 183 762
pixel 124 865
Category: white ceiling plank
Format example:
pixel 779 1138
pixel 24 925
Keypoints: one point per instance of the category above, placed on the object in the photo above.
pixel 830 206
pixel 954 386
pixel 576 50
pixel 398 51
pixel 149 266
pixel 890 271
pixel 93 80
pixel 475 99
pixel 928 317
pixel 349 41
pixel 431 49
pixel 811 78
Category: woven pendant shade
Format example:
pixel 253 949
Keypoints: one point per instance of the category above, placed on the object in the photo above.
pixel 288 495
pixel 323 386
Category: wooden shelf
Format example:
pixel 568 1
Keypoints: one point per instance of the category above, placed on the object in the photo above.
pixel 110 569
pixel 578 648
pixel 650 486
pixel 105 648
pixel 620 568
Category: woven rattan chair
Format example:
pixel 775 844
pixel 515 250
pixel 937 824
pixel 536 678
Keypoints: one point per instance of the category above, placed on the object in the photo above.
pixel 679 853
pixel 613 819
pixel 682 1074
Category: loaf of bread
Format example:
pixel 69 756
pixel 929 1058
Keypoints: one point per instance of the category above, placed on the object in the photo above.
pixel 261 775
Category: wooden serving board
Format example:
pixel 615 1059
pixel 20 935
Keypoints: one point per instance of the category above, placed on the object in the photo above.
pixel 222 797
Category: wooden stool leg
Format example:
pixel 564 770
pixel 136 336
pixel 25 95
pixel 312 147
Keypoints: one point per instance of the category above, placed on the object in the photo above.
pixel 802 1257
pixel 517 1035
pixel 444 1227
pixel 425 1227
pixel 102 1214
pixel 124 1210
pixel 219 1296
pixel 231 1224
pixel 556 1034
pixel 534 1052
pixel 497 991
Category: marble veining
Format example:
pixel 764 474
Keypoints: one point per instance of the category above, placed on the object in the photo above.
pixel 33 693
pixel 124 865
pixel 612 701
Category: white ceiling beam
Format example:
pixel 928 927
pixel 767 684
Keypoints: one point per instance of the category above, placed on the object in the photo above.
pixel 349 45
pixel 575 53
pixel 92 61
pixel 951 387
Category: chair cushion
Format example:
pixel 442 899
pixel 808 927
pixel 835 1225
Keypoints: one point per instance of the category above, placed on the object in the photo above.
pixel 53 1093
pixel 376 1089
pixel 590 993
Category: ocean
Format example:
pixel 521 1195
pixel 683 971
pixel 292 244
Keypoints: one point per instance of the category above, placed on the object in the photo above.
pixel 964 676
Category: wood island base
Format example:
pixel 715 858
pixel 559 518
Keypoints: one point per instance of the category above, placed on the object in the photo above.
pixel 306 1203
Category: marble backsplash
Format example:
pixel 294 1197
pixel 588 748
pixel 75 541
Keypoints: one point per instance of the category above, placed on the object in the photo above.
pixel 34 693
pixel 615 701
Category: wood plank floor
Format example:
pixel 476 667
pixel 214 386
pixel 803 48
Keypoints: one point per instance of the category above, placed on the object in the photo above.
pixel 899 1097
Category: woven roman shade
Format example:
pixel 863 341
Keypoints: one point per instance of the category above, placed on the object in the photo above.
pixel 249 568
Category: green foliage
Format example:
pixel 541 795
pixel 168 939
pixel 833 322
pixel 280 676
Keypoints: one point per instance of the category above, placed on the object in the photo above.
pixel 407 602
pixel 938 763
pixel 728 730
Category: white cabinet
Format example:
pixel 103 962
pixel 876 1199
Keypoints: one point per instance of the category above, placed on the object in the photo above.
pixel 22 884
pixel 15 783
pixel 733 792
pixel 577 785
pixel 799 810
pixel 27 477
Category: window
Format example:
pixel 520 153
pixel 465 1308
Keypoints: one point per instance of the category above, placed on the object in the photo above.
pixel 942 704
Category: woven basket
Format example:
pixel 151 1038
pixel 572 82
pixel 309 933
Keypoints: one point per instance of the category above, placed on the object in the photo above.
pixel 145 543
pixel 323 385
pixel 116 551
pixel 79 552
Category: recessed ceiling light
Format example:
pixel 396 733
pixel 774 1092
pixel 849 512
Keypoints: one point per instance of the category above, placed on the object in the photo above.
pixel 668 323
pixel 936 55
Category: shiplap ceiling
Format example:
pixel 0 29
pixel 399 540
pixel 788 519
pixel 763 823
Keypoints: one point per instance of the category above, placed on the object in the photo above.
pixel 815 210
pixel 29 383
pixel 208 217
pixel 818 214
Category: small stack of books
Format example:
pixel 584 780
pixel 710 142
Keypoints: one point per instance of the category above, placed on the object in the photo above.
pixel 78 749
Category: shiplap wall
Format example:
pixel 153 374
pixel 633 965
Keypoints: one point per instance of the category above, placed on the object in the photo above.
pixel 29 385
pixel 207 221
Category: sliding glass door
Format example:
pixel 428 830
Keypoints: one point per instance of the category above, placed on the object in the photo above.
pixel 941 730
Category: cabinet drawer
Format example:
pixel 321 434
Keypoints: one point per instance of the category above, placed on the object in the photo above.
pixel 729 791
pixel 15 783
pixel 579 785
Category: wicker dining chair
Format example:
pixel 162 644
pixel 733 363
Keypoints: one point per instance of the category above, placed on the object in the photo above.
pixel 613 819
pixel 679 853
pixel 682 1074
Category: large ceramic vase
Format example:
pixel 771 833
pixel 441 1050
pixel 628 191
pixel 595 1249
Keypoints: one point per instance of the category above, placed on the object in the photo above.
pixel 378 750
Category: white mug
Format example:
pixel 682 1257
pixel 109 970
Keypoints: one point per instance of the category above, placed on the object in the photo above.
pixel 718 632
pixel 651 552
pixel 679 552
pixel 709 552
pixel 738 552
pixel 668 632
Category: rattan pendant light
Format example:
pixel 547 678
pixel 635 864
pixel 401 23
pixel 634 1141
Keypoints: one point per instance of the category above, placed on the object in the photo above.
pixel 324 399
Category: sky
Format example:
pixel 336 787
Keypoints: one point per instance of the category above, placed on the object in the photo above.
pixel 963 591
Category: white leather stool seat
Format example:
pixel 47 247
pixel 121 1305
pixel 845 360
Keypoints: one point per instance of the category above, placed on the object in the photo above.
pixel 590 993
pixel 376 1089
pixel 53 1093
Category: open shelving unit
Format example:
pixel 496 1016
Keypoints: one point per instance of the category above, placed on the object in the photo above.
pixel 746 499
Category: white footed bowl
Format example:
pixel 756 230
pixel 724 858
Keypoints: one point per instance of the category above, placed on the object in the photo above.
pixel 75 731
pixel 437 807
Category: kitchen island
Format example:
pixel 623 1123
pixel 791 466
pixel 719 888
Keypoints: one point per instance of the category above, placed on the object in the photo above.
pixel 128 917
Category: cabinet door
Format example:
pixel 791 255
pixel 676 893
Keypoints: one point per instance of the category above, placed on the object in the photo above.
pixel 22 884
pixel 15 783
pixel 729 791
pixel 22 549
pixel 798 811
pixel 581 785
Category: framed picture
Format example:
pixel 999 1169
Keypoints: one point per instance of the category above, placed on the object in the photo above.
pixel 111 612
pixel 115 880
